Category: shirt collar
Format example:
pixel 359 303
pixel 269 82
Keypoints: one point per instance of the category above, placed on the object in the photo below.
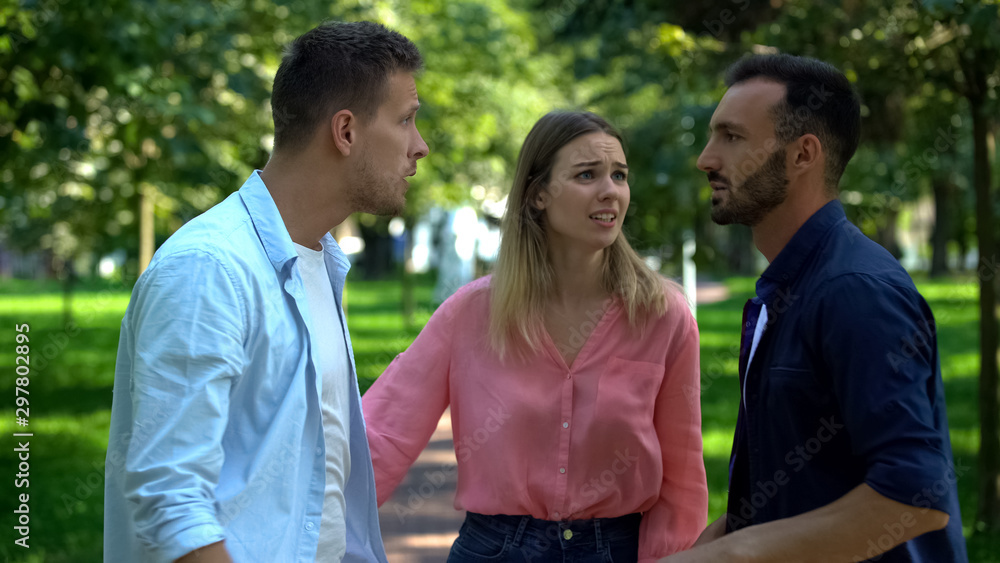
pixel 787 265
pixel 267 221
pixel 336 260
pixel 274 236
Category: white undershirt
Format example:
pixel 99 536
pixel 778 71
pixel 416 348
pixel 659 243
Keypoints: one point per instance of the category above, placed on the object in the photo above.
pixel 330 357
pixel 758 332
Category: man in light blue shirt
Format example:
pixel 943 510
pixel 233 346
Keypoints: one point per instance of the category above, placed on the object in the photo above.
pixel 234 435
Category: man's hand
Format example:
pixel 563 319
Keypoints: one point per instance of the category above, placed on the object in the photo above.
pixel 213 553
pixel 714 531
pixel 848 529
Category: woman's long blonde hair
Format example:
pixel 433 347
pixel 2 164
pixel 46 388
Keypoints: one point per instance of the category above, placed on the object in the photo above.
pixel 522 277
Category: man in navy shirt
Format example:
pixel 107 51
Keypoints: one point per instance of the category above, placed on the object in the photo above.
pixel 841 450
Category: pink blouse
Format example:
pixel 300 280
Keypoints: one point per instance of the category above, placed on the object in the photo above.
pixel 618 432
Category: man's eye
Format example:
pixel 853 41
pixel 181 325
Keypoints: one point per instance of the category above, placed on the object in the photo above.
pixel 730 137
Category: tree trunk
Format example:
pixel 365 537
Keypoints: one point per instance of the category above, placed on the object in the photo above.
pixel 960 232
pixel 740 251
pixel 69 280
pixel 943 189
pixel 989 391
pixel 885 233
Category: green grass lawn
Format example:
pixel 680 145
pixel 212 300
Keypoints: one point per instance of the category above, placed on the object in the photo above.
pixel 73 372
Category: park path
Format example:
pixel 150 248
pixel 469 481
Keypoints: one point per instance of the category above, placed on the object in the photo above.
pixel 419 522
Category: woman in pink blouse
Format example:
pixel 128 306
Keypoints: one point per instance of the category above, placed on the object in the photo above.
pixel 572 375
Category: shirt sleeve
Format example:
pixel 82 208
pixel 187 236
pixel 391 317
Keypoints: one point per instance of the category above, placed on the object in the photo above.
pixel 880 344
pixel 187 325
pixel 402 408
pixel 681 512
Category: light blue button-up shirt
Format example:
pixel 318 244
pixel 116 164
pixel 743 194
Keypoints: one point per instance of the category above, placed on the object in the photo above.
pixel 216 428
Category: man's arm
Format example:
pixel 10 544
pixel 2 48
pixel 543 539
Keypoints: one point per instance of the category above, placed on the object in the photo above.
pixel 215 553
pixel 187 322
pixel 714 531
pixel 852 528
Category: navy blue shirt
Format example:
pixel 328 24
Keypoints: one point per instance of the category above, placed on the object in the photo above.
pixel 844 388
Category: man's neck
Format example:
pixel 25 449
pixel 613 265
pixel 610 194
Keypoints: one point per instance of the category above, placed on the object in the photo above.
pixel 773 233
pixel 310 202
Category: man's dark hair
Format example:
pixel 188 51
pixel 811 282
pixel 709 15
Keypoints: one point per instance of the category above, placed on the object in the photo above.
pixel 333 67
pixel 818 100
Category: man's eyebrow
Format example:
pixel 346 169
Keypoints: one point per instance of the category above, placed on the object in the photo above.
pixel 727 126
pixel 414 107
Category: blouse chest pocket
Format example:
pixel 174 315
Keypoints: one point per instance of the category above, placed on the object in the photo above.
pixel 628 388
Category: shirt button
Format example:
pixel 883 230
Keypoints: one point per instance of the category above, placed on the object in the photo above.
pixel 319 451
pixel 568 534
pixel 555 515
pixel 565 425
pixel 309 525
pixel 748 324
pixel 562 470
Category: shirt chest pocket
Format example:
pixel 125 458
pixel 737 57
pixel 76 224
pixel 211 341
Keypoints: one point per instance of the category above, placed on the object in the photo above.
pixel 628 388
pixel 792 388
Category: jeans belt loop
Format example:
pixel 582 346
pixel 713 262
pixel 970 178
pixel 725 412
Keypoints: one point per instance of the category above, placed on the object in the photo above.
pixel 520 530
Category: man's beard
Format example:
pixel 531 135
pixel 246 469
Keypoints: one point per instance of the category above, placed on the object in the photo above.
pixel 762 191
pixel 375 191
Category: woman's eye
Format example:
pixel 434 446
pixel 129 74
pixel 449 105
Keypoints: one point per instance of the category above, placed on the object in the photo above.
pixel 585 175
pixel 621 176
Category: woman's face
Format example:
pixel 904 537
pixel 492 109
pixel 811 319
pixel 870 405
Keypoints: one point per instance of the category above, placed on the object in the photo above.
pixel 587 194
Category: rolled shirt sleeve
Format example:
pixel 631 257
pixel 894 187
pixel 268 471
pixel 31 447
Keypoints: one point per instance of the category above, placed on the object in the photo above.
pixel 880 344
pixel 187 328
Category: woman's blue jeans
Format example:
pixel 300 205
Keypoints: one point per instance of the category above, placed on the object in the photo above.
pixel 523 539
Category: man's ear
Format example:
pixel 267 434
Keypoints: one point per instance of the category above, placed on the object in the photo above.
pixel 807 153
pixel 344 131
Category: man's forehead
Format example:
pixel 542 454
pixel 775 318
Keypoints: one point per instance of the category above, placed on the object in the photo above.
pixel 402 86
pixel 746 103
pixel 754 92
